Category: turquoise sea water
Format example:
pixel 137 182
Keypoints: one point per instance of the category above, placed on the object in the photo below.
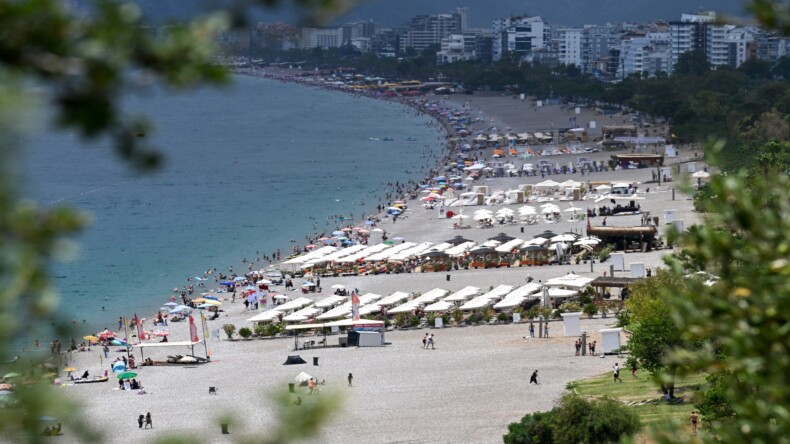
pixel 249 168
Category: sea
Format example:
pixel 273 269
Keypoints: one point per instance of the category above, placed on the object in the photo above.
pixel 249 168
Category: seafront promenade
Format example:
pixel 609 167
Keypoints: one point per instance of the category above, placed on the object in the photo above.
pixel 465 391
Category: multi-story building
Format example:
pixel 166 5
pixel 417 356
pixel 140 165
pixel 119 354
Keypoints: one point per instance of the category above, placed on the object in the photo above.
pixel 645 55
pixel 322 38
pixel 569 46
pixel 520 35
pixel 426 30
pixel 770 47
pixel 689 34
pixel 456 49
pixel 595 45
pixel 356 30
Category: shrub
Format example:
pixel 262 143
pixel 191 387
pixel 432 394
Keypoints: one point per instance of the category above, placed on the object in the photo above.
pixel 245 332
pixel 458 316
pixel 593 421
pixel 431 318
pixel 590 310
pixel 229 329
pixel 557 314
pixel 489 314
pixel 585 299
pixel 260 329
pixel 414 321
pixel 532 313
pixel 445 318
pixel 570 307
pixel 502 317
pixel 575 420
pixel 400 319
pixel 605 252
pixel 537 428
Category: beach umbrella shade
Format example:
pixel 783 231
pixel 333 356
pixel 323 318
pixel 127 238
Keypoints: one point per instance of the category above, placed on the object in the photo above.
pixel 533 248
pixel 563 238
pixel 458 240
pixel 69 369
pixel 435 254
pixel 302 378
pixel 239 279
pixel 281 297
pixel 204 306
pixel 308 284
pixel 127 375
pixel 547 234
pixel 377 230
pixel 460 216
pixel 339 287
pixel 398 238
pixel 502 237
pixel 90 338
pixel 264 281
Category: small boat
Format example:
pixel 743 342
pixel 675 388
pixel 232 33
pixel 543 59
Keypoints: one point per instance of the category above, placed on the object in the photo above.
pixel 91 381
pixel 387 139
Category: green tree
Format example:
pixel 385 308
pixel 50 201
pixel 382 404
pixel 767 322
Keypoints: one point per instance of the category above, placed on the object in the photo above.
pixel 654 332
pixel 575 420
pixel 694 63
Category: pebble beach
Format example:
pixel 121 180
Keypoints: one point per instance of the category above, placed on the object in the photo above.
pixel 467 390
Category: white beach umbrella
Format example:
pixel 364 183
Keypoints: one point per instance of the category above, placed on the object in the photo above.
pixel 527 210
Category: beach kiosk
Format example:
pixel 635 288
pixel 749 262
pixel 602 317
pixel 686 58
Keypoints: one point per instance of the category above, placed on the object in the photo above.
pixel 366 333
pixel 571 323
pixel 611 339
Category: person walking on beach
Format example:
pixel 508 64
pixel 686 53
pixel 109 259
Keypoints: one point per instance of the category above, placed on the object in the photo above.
pixel 546 330
pixel 350 379
pixel 106 350
pixel 531 330
pixel 425 341
pixel 593 347
pixel 148 421
pixel 578 346
pixel 140 421
pixel 694 418
pixel 430 342
pixel 534 378
pixel 616 373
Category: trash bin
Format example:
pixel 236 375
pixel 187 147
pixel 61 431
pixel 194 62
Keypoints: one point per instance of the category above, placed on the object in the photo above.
pixel 291 387
pixel 224 426
pixel 448 278
pixel 315 360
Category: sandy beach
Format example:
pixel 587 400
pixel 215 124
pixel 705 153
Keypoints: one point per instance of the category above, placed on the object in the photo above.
pixel 466 391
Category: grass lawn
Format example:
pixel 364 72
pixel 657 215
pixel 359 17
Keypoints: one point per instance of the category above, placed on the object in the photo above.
pixel 655 413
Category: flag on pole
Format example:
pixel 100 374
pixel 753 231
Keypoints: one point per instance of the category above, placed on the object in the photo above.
pixel 193 332
pixel 139 325
pixel 354 306
pixel 205 326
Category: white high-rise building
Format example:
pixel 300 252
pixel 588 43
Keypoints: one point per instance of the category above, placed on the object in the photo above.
pixel 520 35
pixel 569 45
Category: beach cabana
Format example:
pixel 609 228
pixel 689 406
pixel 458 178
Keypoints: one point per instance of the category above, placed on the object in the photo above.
pixel 440 306
pixel 266 316
pixel 463 294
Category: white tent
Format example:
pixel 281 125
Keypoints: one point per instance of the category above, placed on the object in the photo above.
pixel 463 294
pixel 268 315
pixel 440 306
pixel 295 304
pixel 330 301
pixel 393 299
pixel 509 245
pixel 570 280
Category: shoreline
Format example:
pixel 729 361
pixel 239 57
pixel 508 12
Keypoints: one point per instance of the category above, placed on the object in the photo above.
pixel 474 382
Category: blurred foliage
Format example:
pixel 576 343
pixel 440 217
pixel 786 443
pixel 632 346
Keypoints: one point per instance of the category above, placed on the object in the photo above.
pixel 80 67
pixel 744 242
